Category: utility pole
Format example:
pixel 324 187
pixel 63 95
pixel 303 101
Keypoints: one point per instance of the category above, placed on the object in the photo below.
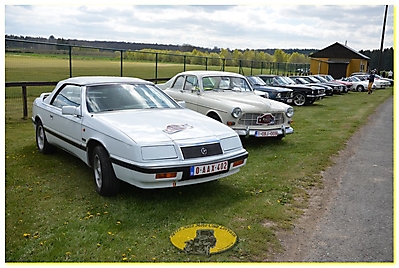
pixel 382 38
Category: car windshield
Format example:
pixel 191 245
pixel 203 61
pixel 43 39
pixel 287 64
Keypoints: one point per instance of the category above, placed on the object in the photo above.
pixel 322 79
pixel 111 97
pixel 225 83
pixel 281 80
pixel 288 80
pixel 257 81
pixel 314 79
pixel 355 79
pixel 301 80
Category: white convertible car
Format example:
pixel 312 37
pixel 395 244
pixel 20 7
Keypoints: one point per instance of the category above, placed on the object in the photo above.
pixel 128 129
pixel 229 98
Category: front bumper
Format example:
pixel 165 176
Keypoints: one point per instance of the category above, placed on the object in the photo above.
pixel 255 132
pixel 316 97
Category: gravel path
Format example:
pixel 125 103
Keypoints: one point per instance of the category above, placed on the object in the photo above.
pixel 351 218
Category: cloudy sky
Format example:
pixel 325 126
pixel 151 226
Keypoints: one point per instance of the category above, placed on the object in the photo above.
pixel 243 24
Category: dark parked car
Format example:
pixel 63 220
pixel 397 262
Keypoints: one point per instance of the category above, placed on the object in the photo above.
pixel 338 88
pixel 302 81
pixel 329 78
pixel 303 95
pixel 276 93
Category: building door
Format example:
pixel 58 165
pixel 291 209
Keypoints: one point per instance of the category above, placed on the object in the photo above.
pixel 337 70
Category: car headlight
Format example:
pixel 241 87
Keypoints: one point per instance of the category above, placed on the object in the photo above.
pixel 289 112
pixel 278 95
pixel 237 112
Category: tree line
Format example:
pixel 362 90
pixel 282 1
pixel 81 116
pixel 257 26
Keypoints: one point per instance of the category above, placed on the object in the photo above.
pixel 196 55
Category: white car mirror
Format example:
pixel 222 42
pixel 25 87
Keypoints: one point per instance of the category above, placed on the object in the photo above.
pixel 71 110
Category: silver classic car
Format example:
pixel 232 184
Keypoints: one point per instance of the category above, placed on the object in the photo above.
pixel 128 129
pixel 229 98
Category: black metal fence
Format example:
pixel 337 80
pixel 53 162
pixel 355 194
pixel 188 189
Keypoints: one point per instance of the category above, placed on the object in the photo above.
pixel 48 62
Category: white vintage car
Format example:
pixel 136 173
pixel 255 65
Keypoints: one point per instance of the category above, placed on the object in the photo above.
pixel 228 98
pixel 128 129
pixel 357 84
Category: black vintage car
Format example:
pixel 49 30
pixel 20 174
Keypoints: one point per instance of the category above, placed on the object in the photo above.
pixel 301 80
pixel 303 95
pixel 275 93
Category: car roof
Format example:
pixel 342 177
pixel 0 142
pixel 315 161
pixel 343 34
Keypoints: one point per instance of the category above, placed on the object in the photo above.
pixel 211 73
pixel 89 80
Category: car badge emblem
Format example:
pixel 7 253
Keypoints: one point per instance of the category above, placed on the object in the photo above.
pixel 170 129
pixel 204 151
pixel 265 119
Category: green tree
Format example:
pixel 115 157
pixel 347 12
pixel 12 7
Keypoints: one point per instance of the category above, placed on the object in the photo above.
pixel 280 56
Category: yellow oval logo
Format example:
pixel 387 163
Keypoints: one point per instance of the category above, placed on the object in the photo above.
pixel 203 239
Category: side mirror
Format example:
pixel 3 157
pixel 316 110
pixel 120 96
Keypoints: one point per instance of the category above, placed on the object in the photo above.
pixel 71 110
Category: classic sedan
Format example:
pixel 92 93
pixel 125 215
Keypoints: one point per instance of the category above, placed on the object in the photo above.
pixel 228 98
pixel 275 93
pixel 303 94
pixel 127 129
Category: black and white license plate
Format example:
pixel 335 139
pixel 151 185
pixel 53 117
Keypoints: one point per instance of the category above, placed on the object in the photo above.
pixel 208 169
pixel 270 133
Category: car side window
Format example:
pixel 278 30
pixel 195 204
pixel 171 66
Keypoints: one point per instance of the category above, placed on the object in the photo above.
pixel 178 83
pixel 191 83
pixel 70 95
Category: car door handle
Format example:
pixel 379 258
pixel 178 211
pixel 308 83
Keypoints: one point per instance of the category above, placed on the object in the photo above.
pixel 51 117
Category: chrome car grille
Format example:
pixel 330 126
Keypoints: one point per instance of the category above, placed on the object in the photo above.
pixel 201 150
pixel 251 119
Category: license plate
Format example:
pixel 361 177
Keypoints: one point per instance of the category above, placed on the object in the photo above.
pixel 208 169
pixel 271 133
pixel 289 100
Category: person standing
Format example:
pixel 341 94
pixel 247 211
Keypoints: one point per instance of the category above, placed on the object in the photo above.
pixel 390 74
pixel 371 82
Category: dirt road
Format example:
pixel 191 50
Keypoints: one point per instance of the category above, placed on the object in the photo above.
pixel 351 218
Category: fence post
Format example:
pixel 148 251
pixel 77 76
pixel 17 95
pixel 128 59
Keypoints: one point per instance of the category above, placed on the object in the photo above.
pixel 184 62
pixel 121 62
pixel 206 64
pixel 25 102
pixel 70 61
pixel 156 67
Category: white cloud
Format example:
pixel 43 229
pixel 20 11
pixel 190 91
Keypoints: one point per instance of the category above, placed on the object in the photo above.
pixel 226 26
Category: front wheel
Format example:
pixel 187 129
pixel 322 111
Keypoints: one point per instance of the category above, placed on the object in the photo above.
pixel 41 141
pixel 105 180
pixel 299 99
pixel 360 88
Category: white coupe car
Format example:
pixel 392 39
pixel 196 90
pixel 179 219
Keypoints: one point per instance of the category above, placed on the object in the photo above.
pixel 128 129
pixel 357 84
pixel 229 98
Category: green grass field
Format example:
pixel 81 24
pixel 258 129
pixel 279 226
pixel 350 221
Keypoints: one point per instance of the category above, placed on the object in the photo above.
pixel 53 214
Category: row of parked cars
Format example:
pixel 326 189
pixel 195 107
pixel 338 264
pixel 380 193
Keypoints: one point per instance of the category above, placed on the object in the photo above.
pixel 185 131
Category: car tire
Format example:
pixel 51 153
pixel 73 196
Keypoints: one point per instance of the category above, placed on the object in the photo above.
pixel 359 88
pixel 105 181
pixel 41 141
pixel 299 99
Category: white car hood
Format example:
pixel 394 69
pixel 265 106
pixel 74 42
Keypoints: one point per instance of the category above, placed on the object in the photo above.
pixel 247 101
pixel 150 126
